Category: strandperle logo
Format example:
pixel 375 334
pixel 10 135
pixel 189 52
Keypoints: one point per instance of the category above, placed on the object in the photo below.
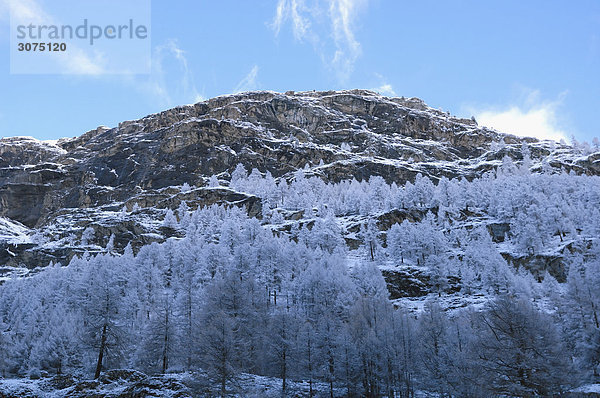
pixel 86 31
pixel 83 37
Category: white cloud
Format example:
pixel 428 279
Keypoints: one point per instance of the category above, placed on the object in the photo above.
pixel 385 89
pixel 534 118
pixel 23 10
pixel 81 63
pixel 248 83
pixel 342 14
pixel 292 10
pixel 341 17
pixel 171 81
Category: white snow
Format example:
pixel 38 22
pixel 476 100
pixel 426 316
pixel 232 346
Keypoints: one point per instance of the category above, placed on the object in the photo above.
pixel 13 232
pixel 588 388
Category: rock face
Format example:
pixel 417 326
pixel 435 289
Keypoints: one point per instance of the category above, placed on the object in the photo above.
pixel 122 180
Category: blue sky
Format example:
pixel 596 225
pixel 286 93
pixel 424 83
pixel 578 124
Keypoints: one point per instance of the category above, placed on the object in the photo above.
pixel 528 67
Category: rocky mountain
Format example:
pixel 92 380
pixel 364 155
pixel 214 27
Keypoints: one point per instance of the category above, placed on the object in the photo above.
pixel 61 198
pixel 305 244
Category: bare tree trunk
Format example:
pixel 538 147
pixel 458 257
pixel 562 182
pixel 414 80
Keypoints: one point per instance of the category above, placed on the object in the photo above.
pixel 189 316
pixel 165 359
pixel 310 367
pixel 331 369
pixel 101 352
pixel 284 372
pixel 593 309
pixel 223 363
pixel 284 356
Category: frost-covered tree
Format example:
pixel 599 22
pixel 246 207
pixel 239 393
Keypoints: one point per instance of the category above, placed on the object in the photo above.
pixel 185 187
pixel 158 337
pixel 183 214
pixel 59 345
pixel 222 332
pixel 87 236
pixel 282 331
pixel 6 346
pixel 520 350
pixel 238 178
pixel 101 291
pixel 369 234
pixel 170 221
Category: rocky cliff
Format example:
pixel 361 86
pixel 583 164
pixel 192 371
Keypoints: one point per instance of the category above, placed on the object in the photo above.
pixel 120 181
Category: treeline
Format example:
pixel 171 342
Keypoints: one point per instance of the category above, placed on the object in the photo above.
pixel 537 206
pixel 234 297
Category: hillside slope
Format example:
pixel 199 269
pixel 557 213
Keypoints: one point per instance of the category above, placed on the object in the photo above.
pixel 54 191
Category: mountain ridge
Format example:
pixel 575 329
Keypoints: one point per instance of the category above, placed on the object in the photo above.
pixel 60 188
pixel 344 238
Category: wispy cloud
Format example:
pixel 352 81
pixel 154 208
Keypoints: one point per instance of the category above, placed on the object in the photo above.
pixel 248 83
pixel 292 10
pixel 78 61
pixel 23 10
pixel 533 117
pixel 384 88
pixel 171 81
pixel 343 14
pixel 341 18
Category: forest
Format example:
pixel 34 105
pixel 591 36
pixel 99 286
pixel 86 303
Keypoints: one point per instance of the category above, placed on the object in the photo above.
pixel 285 295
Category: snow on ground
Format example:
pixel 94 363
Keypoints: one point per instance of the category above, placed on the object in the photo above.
pixel 451 302
pixel 7 273
pixel 253 386
pixel 588 388
pixel 26 141
pixel 21 387
pixel 244 385
pixel 13 232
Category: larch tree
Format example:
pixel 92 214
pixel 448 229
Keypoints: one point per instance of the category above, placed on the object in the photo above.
pixel 101 294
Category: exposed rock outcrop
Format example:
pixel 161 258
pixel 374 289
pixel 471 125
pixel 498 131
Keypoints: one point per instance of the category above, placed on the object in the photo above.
pixel 120 181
